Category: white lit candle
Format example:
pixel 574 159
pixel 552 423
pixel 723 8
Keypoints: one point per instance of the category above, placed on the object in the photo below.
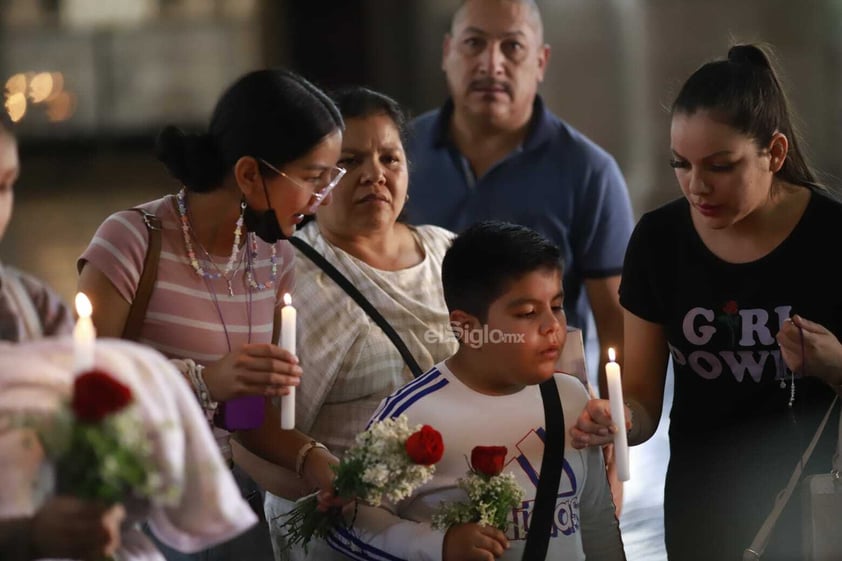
pixel 618 415
pixel 288 342
pixel 84 335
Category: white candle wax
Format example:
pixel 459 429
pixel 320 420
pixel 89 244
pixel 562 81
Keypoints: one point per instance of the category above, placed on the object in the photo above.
pixel 618 415
pixel 84 335
pixel 288 315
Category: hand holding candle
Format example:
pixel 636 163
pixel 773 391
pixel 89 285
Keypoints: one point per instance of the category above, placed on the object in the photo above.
pixel 84 335
pixel 618 415
pixel 288 315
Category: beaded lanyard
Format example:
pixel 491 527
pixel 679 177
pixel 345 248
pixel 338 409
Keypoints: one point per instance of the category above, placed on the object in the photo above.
pixel 792 372
pixel 218 308
pixel 231 267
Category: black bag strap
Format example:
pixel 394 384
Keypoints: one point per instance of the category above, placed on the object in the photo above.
pixel 552 462
pixel 358 297
pixel 137 311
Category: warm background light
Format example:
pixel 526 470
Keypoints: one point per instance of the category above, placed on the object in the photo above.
pixel 40 87
pixel 16 106
pixel 61 107
pixel 45 89
pixel 16 84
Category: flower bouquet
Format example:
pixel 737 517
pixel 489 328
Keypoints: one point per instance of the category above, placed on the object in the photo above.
pixel 97 446
pixel 491 494
pixel 389 460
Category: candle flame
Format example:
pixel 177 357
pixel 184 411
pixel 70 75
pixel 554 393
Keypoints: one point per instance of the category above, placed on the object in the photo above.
pixel 287 299
pixel 83 305
pixel 611 355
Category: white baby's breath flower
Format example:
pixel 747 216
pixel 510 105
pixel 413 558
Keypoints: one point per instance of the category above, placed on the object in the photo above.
pixel 490 500
pixel 376 475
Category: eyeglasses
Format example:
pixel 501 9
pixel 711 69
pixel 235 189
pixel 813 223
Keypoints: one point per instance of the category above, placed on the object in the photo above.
pixel 331 178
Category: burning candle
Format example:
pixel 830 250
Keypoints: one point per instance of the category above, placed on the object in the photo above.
pixel 288 315
pixel 84 335
pixel 618 415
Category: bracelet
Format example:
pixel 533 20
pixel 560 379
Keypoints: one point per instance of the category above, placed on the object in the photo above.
pixel 303 452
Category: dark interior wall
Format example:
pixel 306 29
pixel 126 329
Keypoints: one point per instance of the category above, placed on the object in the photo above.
pixel 326 41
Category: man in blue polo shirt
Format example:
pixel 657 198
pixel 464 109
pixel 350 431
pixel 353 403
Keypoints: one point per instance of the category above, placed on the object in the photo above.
pixel 494 151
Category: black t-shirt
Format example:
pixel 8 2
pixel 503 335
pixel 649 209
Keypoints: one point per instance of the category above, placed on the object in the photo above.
pixel 721 318
pixel 730 424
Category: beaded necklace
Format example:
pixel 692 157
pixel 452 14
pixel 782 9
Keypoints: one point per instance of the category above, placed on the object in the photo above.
pixel 250 266
pixel 229 280
pixel 186 230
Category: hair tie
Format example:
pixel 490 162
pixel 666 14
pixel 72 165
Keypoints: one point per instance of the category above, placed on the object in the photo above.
pixel 749 55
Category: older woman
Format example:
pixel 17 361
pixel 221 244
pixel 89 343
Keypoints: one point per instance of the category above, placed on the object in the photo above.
pixel 350 363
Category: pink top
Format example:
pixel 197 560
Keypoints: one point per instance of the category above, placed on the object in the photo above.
pixel 188 316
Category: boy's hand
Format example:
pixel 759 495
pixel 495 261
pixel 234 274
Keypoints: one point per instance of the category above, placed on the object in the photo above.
pixel 472 542
pixel 594 426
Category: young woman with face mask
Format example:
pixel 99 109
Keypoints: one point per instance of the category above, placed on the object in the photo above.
pixel 267 159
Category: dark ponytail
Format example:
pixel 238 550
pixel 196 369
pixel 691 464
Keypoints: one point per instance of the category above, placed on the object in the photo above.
pixel 743 91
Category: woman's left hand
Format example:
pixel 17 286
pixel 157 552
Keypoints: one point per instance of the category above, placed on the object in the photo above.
pixel 328 499
pixel 318 473
pixel 822 351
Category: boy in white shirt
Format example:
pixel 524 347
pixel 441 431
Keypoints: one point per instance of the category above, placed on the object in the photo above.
pixel 502 285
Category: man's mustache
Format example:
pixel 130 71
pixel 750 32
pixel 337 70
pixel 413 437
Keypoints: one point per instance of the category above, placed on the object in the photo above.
pixel 488 83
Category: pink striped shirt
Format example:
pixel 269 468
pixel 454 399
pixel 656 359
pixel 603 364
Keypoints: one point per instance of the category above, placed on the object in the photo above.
pixel 188 316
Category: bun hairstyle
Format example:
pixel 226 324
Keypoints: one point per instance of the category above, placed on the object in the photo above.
pixel 271 114
pixel 190 158
pixel 743 91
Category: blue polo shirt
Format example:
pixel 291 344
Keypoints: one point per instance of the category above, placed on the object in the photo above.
pixel 557 182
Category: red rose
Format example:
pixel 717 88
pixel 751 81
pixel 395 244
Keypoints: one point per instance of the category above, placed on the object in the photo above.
pixel 97 394
pixel 425 447
pixel 488 460
pixel 730 307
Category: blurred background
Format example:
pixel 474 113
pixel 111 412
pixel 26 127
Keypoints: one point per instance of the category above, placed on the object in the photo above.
pixel 90 82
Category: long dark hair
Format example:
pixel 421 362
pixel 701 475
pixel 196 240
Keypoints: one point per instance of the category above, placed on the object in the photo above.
pixel 743 91
pixel 272 114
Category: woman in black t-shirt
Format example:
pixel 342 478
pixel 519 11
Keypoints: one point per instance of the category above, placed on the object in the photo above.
pixel 720 280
